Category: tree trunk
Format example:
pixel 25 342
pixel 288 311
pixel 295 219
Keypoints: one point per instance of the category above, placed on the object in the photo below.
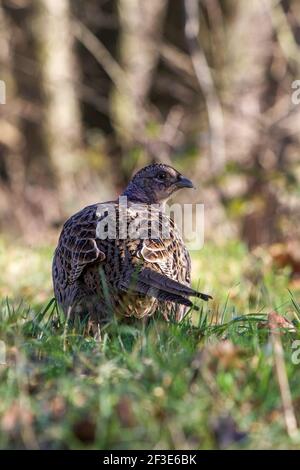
pixel 63 120
pixel 139 44
pixel 262 115
pixel 12 177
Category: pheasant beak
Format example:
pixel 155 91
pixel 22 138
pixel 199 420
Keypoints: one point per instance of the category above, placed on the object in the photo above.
pixel 183 182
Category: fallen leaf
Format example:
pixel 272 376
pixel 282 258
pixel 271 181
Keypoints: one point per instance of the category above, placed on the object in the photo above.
pixel 286 254
pixel 277 322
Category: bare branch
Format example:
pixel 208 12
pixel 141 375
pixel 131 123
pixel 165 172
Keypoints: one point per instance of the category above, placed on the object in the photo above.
pixel 284 388
pixel 100 53
pixel 177 59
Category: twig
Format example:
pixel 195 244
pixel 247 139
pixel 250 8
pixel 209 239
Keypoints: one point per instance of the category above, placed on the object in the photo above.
pixel 204 77
pixel 171 127
pixel 284 388
pixel 284 32
pixel 177 59
pixel 101 54
pixel 66 329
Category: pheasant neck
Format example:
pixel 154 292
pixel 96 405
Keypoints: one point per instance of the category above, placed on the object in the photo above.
pixel 139 195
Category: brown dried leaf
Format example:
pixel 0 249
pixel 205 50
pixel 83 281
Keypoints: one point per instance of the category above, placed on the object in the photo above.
pixel 278 323
pixel 287 255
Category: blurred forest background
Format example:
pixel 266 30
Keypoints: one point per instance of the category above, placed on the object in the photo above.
pixel 95 90
pixel 98 88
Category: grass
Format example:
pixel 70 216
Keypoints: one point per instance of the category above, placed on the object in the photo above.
pixel 206 383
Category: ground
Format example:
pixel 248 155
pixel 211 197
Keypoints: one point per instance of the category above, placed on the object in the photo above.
pixel 209 382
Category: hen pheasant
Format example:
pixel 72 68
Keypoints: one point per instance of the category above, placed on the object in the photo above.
pixel 108 261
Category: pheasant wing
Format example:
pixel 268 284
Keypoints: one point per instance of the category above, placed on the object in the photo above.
pixel 79 244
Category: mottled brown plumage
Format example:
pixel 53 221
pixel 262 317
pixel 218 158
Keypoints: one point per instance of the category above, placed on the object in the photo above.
pixel 126 276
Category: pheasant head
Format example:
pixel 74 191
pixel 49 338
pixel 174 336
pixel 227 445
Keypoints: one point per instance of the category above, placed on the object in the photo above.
pixel 155 183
